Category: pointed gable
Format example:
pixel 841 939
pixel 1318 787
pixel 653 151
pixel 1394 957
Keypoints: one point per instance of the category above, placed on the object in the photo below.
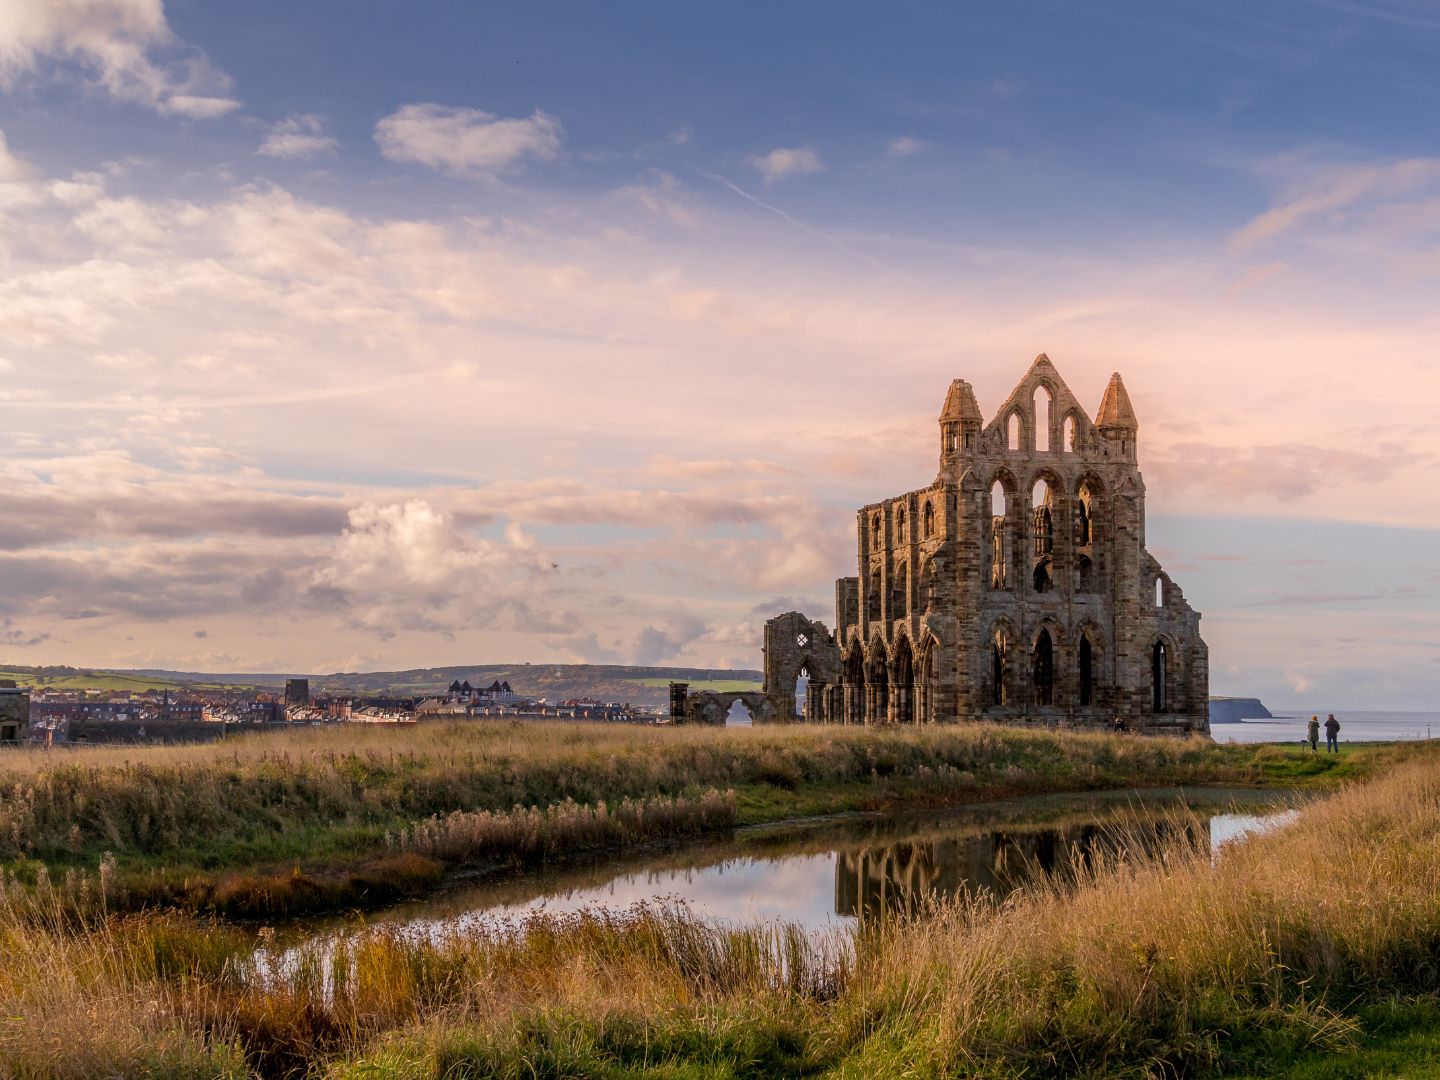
pixel 1063 402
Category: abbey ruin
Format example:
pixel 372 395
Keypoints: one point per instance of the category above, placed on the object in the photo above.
pixel 1016 587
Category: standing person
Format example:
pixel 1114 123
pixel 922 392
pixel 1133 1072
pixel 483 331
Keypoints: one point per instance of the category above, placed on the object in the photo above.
pixel 1312 733
pixel 1332 730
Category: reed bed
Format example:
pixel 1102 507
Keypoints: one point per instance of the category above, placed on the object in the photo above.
pixel 323 793
pixel 1151 961
pixel 461 836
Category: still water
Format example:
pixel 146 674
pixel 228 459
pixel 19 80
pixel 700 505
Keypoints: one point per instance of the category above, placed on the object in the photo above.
pixel 838 871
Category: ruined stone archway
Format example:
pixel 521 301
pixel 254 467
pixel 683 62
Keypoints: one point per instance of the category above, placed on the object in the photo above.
pixel 927 683
pixel 794 644
pixel 854 685
pixel 713 706
pixel 1042 662
pixel 902 683
pixel 877 684
pixel 1167 686
pixel 1001 642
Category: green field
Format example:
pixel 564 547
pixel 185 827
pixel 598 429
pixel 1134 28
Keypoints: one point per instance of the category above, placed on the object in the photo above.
pixel 107 681
pixel 91 680
pixel 720 686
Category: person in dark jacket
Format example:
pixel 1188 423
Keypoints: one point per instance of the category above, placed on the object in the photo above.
pixel 1332 732
pixel 1312 733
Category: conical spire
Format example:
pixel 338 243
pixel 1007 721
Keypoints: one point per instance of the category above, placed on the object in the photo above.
pixel 1115 408
pixel 960 403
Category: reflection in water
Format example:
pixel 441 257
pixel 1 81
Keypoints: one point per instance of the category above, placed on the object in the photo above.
pixel 820 877
pixel 825 874
pixel 903 877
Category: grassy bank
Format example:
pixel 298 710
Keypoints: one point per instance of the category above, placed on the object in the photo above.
pixel 1322 938
pixel 305 819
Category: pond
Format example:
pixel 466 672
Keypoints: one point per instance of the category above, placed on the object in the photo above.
pixel 829 873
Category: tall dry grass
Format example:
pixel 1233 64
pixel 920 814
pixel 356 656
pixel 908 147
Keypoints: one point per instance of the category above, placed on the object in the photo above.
pixel 321 793
pixel 1153 962
pixel 87 996
pixel 465 835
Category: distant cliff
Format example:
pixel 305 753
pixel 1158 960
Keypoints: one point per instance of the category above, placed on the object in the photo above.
pixel 1231 710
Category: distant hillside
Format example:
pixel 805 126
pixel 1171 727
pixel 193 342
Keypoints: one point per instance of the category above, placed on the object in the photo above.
pixel 554 682
pixel 63 677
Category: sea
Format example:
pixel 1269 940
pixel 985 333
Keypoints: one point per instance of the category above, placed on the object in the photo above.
pixel 1288 726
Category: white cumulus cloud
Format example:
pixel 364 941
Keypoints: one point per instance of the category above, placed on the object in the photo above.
pixel 298 136
pixel 13 169
pixel 904 146
pixel 466 141
pixel 126 46
pixel 787 161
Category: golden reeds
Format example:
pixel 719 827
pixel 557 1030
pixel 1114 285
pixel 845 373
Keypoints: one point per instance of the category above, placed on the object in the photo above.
pixel 1151 962
pixel 326 792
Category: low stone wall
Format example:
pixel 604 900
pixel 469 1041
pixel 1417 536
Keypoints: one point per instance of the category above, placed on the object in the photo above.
pixel 151 732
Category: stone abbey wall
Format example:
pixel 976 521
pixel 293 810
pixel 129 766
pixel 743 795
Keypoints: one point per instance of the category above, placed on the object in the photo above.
pixel 1015 587
pixel 14 712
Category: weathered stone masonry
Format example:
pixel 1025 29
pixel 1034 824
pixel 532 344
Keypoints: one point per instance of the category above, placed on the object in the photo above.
pixel 1016 587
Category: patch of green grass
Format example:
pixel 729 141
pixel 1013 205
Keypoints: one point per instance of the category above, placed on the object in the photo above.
pixel 1298 765
pixel 720 686
pixel 1397 1039
pixel 92 680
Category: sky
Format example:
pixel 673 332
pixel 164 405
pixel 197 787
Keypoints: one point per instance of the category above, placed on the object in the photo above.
pixel 359 335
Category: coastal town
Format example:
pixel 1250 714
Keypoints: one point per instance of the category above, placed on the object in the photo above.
pixel 47 716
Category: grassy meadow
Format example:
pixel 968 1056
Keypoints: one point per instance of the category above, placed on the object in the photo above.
pixel 720 686
pixel 91 680
pixel 280 823
pixel 1314 945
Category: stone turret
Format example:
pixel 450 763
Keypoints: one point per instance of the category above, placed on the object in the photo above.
pixel 1116 419
pixel 960 419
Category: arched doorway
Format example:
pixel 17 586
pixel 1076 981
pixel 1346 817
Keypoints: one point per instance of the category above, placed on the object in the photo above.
pixel 1043 669
pixel 1159 691
pixel 853 689
pixel 1085 688
pixel 801 690
pixel 877 686
pixel 928 683
pixel 999 663
pixel 903 680
pixel 739 715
